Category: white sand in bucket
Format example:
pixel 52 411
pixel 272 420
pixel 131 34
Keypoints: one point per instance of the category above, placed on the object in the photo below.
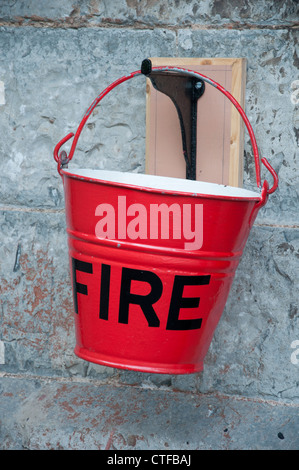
pixel 163 183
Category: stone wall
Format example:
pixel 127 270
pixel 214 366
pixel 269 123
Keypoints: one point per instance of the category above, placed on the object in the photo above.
pixel 55 59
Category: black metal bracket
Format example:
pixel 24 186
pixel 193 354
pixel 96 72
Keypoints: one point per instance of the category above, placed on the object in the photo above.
pixel 184 91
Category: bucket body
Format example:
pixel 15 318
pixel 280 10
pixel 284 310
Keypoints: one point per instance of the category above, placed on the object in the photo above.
pixel 150 304
pixel 152 258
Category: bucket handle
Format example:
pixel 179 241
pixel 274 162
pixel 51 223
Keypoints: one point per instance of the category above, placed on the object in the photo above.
pixel 63 159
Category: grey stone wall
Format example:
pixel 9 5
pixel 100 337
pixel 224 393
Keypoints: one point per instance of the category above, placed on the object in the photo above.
pixel 55 59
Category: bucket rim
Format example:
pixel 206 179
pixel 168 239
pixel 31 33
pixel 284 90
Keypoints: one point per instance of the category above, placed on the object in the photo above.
pixel 112 178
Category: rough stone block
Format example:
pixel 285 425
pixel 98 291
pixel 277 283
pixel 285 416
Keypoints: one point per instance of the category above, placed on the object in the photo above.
pixel 35 292
pixel 53 77
pixel 64 415
pixel 146 13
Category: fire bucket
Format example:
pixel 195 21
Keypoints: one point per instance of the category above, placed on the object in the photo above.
pixel 153 258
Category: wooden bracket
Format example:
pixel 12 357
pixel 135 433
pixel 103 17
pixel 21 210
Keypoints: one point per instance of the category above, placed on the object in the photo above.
pixel 220 130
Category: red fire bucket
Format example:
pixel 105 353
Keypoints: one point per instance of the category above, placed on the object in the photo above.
pixel 153 258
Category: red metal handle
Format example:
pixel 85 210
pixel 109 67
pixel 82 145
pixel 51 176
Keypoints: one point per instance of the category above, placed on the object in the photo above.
pixel 62 159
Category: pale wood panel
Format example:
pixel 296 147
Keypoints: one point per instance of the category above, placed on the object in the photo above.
pixel 220 130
